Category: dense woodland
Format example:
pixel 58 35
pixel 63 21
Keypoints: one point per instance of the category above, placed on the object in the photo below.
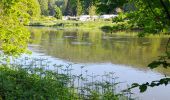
pixel 78 7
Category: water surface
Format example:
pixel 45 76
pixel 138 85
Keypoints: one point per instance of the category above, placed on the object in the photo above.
pixel 122 52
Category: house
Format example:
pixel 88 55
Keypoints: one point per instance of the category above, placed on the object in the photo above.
pixel 84 18
pixel 94 17
pixel 108 16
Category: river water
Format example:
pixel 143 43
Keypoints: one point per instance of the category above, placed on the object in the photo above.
pixel 122 52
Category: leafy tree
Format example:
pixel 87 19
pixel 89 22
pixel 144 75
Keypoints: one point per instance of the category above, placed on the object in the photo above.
pixel 33 7
pixel 68 10
pixel 92 10
pixel 51 7
pixel 58 13
pixel 14 14
pixel 152 16
pixel 108 6
pixel 65 2
pixel 85 5
pixel 44 7
pixel 78 8
pixel 89 6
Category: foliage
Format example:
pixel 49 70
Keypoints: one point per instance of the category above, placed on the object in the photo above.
pixel 33 8
pixel 51 7
pixel 58 13
pixel 152 16
pixel 116 27
pixel 143 87
pixel 14 39
pixel 32 80
pixel 92 10
pixel 78 8
pixel 44 7
pixel 120 18
pixel 75 7
pixel 92 7
pixel 108 6
pixel 70 7
pixel 26 83
pixel 63 5
pixel 14 14
pixel 121 26
pixel 149 16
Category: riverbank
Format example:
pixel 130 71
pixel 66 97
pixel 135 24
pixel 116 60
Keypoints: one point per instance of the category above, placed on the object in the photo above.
pixel 107 26
pixel 98 24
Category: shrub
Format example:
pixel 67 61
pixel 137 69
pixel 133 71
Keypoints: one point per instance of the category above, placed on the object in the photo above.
pixel 33 84
pixel 120 18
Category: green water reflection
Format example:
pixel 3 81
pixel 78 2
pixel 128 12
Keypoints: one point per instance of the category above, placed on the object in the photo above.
pixel 95 46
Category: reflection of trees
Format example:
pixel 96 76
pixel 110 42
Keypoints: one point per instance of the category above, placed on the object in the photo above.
pixel 35 36
pixel 93 47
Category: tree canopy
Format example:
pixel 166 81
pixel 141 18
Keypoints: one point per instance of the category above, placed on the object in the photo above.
pixel 151 15
pixel 14 14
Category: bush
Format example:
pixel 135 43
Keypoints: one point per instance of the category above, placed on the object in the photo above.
pixel 121 26
pixel 33 84
pixel 120 18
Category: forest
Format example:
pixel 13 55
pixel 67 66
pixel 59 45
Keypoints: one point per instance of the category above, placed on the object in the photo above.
pixel 138 36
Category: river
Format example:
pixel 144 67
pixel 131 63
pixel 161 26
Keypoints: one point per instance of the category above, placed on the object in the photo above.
pixel 122 52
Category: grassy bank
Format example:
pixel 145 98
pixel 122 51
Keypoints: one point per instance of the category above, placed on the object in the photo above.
pixel 32 82
pixel 52 22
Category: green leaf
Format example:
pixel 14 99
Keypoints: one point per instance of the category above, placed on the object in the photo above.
pixel 143 88
pixel 135 84
pixel 154 64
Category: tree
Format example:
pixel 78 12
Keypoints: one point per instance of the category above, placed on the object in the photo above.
pixel 63 5
pixel 58 13
pixel 108 6
pixel 78 8
pixel 68 10
pixel 44 7
pixel 152 16
pixel 14 14
pixel 33 7
pixel 92 10
pixel 51 7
